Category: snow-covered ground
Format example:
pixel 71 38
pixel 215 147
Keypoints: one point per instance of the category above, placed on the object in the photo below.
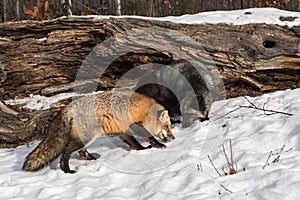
pixel 172 173
pixel 237 17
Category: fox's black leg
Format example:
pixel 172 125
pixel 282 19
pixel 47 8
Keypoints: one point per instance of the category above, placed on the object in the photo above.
pixel 72 147
pixel 155 143
pixel 84 154
pixel 133 143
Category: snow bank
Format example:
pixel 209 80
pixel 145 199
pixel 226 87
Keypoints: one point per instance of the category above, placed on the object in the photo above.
pixel 236 17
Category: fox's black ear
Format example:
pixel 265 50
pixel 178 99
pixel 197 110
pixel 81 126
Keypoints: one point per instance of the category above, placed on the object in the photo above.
pixel 164 116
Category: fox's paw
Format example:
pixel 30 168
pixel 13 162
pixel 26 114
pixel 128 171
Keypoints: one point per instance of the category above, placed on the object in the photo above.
pixel 159 145
pixel 155 143
pixel 84 154
pixel 150 146
pixel 69 171
pixel 92 156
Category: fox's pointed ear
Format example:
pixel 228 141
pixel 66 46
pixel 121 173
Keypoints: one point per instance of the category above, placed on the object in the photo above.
pixel 164 116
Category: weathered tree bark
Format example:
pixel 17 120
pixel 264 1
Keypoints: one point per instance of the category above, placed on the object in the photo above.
pixel 46 57
pixel 20 128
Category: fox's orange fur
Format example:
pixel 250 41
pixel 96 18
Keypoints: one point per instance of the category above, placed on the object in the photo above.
pixel 116 112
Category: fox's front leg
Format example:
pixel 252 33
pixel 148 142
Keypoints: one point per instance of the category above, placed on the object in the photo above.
pixel 133 143
pixel 155 143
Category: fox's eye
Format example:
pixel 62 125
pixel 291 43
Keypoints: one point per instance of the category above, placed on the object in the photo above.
pixel 167 127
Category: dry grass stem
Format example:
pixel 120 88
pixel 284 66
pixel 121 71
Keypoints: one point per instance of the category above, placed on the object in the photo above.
pixel 213 165
pixel 267 162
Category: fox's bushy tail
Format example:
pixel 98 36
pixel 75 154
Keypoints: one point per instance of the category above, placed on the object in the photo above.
pixel 57 137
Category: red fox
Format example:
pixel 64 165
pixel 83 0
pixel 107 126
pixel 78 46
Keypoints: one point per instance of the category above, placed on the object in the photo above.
pixel 116 112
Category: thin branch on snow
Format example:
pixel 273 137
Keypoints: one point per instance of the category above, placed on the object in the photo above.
pixel 267 162
pixel 276 159
pixel 231 157
pixel 280 151
pixel 224 171
pixel 213 165
pixel 227 113
pixel 228 163
pixel 199 166
pixel 253 106
pixel 226 188
pixel 270 112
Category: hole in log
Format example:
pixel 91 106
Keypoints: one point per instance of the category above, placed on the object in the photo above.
pixel 287 19
pixel 269 44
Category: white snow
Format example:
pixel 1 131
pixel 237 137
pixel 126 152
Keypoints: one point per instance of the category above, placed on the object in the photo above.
pixel 42 39
pixel 39 102
pixel 240 17
pixel 4 39
pixel 236 17
pixel 172 173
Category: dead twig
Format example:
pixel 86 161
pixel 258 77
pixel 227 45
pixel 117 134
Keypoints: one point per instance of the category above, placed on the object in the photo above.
pixel 253 106
pixel 231 157
pixel 230 164
pixel 267 162
pixel 227 113
pixel 276 159
pixel 226 188
pixel 232 170
pixel 265 105
pixel 225 173
pixel 280 151
pixel 213 165
pixel 226 156
pixel 271 112
pixel 199 166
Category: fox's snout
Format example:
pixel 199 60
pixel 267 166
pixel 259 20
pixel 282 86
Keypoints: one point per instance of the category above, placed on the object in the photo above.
pixel 166 135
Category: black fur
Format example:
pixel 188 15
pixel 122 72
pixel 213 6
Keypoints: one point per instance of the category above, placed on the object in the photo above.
pixel 180 88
